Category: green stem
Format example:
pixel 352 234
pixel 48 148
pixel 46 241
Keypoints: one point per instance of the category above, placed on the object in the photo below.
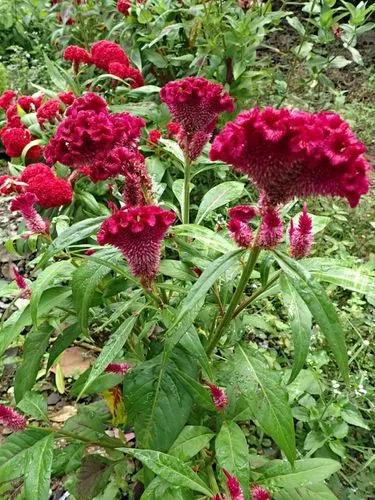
pixel 245 276
pixel 186 194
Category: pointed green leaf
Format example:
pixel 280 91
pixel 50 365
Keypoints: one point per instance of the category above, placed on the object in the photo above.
pixel 191 440
pixel 206 236
pixel 38 469
pixel 34 404
pixel 218 196
pixel 317 491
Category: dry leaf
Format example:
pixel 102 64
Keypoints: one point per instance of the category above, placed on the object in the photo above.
pixel 63 415
pixel 74 361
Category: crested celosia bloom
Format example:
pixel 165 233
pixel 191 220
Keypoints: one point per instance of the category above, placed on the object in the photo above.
pixel 123 6
pixel 135 77
pixel 35 169
pixel 48 111
pixel 173 129
pixel 238 224
pixel 118 69
pixel 66 97
pixel 13 118
pixel 34 222
pixel 21 283
pixel 77 55
pixel 234 487
pixel 50 191
pixel 138 233
pixel 195 104
pixel 7 98
pixel 15 139
pixel 271 227
pixel 89 134
pixel 259 493
pixel 118 368
pixel 290 153
pixel 29 103
pixel 301 236
pixel 11 419
pixel 154 136
pixel 104 52
pixel 218 395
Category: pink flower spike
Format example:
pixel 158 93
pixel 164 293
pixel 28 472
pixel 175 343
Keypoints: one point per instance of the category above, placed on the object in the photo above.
pixel 118 368
pixel 219 397
pixel 301 237
pixel 238 227
pixel 234 487
pixel 21 283
pixel 271 228
pixel 34 222
pixel 11 419
pixel 154 136
pixel 259 493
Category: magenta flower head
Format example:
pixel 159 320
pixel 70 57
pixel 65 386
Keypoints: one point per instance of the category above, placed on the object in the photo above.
pixel 271 227
pixel 34 222
pixel 301 237
pixel 218 395
pixel 195 104
pixel 11 419
pixel 234 487
pixel 238 224
pixel 118 368
pixel 138 233
pixel 259 493
pixel 104 52
pixel 21 283
pixel 290 153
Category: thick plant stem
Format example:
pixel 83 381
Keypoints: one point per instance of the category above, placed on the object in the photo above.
pixel 186 194
pixel 245 276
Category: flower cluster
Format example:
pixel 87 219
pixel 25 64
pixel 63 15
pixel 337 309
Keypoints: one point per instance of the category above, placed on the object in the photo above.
pixel 49 111
pixel 218 395
pixel 238 224
pixel 77 56
pixel 301 237
pixel 290 153
pixel 138 233
pixel 24 203
pixel 11 419
pixel 21 283
pixel 234 487
pixel 123 6
pixel 195 104
pixel 259 493
pixel 118 368
pixel 271 227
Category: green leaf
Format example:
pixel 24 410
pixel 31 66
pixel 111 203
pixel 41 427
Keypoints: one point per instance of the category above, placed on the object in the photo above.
pixel 300 324
pixel 173 148
pixel 353 418
pixel 35 346
pixel 317 491
pixel 13 452
pixel 159 488
pixel 218 196
pixel 19 320
pixel 295 23
pixel 92 476
pixel 206 236
pixel 55 271
pixel 74 233
pixel 170 468
pixel 323 311
pixel 176 269
pixel 110 350
pixel 34 405
pixel 232 452
pixel 191 440
pixel 280 474
pixel 85 281
pixel 267 399
pixel 38 469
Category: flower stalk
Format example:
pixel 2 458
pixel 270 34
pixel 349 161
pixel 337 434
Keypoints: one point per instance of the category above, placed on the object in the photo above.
pixel 186 193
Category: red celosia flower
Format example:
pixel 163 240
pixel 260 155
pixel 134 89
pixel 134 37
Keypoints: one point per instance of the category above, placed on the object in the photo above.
pixel 123 6
pixel 246 4
pixel 135 77
pixel 25 204
pixel 154 136
pixel 14 140
pixel 9 184
pixel 21 283
pixel 29 103
pixel 173 129
pixel 118 69
pixel 259 493
pixel 217 497
pixel 271 227
pixel 67 98
pixel 219 397
pixel 234 487
pixel 7 98
pixel 195 104
pixel 138 233
pixel 77 55
pixel 10 418
pixel 118 368
pixel 238 224
pixel 48 111
pixel 13 118
pixel 301 237
pixel 50 191
pixel 35 169
pixel 294 153
pixel 105 52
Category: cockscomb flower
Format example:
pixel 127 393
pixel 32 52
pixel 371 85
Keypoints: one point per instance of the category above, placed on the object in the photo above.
pixel 35 169
pixel 10 184
pixel 234 487
pixel 135 77
pixel 66 97
pixel 104 52
pixel 301 236
pixel 24 203
pixel 21 283
pixel 238 224
pixel 271 227
pixel 123 6
pixel 29 103
pixel 11 419
pixel 118 368
pixel 77 55
pixel 218 395
pixel 118 69
pixel 195 104
pixel 154 136
pixel 49 111
pixel 173 129
pixel 50 191
pixel 290 153
pixel 138 233
pixel 259 493
pixel 14 140
pixel 7 98
pixel 13 118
